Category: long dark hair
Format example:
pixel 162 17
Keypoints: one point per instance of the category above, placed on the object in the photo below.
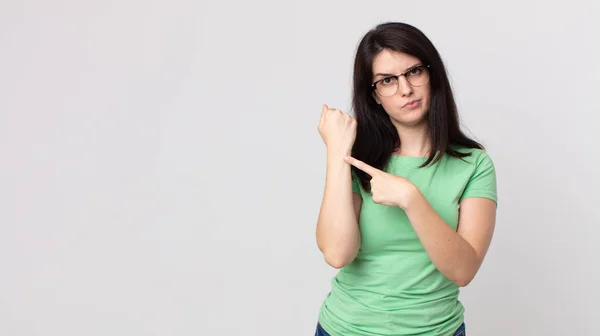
pixel 376 137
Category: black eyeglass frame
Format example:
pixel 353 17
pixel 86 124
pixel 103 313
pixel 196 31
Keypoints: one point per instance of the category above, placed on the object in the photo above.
pixel 397 77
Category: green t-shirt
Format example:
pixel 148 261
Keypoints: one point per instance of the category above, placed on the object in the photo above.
pixel 392 287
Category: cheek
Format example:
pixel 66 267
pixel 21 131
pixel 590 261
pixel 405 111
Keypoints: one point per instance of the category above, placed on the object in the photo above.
pixel 391 103
pixel 427 93
pixel 390 107
pixel 426 98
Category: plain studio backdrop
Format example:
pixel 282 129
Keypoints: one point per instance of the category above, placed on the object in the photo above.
pixel 162 170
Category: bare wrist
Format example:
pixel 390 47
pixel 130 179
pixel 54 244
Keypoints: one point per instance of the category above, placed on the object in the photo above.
pixel 337 155
pixel 413 197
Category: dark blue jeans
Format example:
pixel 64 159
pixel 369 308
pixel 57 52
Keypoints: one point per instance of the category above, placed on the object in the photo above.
pixel 461 331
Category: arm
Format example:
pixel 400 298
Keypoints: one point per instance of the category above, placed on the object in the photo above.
pixel 457 254
pixel 338 234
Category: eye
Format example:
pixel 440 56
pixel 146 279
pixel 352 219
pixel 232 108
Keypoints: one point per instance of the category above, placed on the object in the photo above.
pixel 387 80
pixel 415 71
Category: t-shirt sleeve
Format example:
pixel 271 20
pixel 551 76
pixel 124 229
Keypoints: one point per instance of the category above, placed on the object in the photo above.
pixel 483 181
pixel 355 184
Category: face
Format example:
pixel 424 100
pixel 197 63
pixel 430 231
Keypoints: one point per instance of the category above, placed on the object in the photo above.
pixel 409 105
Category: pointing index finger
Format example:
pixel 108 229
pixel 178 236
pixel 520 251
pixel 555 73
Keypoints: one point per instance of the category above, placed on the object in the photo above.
pixel 362 166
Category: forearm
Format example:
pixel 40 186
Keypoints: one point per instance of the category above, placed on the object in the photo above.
pixel 449 252
pixel 338 235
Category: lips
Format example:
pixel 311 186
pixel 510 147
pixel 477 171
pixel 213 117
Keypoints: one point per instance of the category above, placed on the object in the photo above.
pixel 412 104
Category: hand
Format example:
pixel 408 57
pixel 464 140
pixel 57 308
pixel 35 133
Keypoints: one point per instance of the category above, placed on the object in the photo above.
pixel 387 189
pixel 338 130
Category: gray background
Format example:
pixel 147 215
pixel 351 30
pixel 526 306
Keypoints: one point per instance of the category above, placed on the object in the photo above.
pixel 162 171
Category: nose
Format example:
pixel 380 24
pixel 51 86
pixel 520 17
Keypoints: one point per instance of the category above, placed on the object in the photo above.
pixel 404 86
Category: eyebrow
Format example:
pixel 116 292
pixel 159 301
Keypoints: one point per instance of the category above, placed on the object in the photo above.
pixel 389 74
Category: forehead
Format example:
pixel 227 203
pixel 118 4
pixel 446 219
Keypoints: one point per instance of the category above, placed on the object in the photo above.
pixel 393 62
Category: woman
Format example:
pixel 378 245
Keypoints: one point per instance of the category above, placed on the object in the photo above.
pixel 409 206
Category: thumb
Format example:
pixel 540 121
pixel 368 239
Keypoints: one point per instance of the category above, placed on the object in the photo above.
pixel 323 111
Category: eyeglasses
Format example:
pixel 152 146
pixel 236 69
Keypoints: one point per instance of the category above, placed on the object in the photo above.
pixel 416 76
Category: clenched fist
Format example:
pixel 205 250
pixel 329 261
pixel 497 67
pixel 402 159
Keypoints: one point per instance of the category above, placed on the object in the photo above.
pixel 338 131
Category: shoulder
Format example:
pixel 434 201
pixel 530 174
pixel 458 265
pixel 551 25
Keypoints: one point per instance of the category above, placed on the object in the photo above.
pixel 482 173
pixel 475 154
pixel 476 159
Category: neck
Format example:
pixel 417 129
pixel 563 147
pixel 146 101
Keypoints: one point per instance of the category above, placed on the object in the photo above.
pixel 414 140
